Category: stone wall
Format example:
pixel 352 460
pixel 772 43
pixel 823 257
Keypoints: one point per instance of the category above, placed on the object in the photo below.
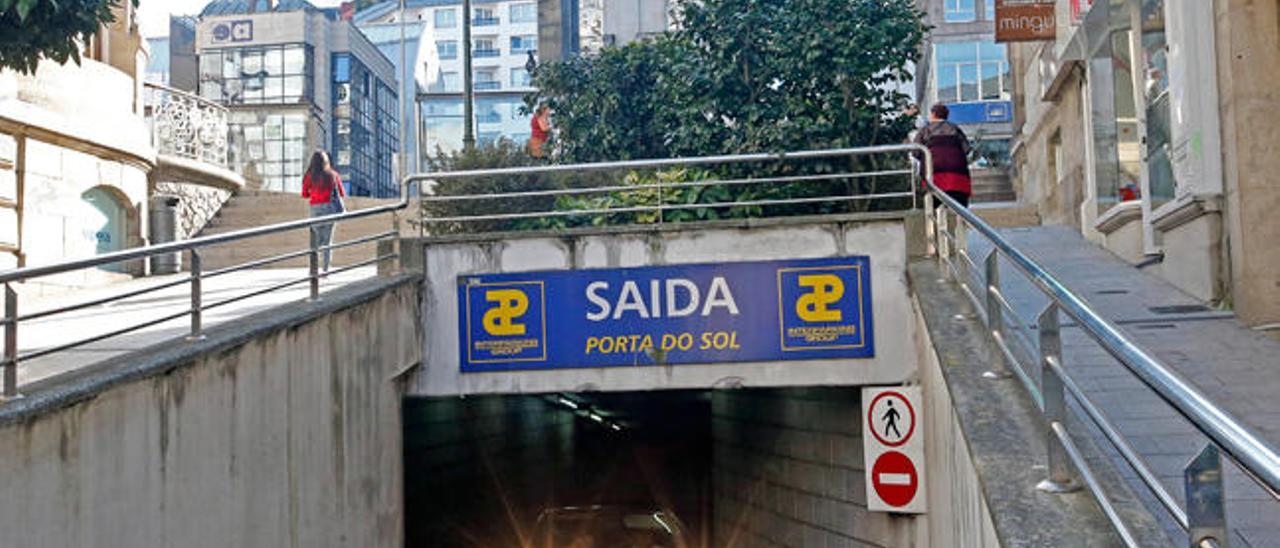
pixel 197 205
pixel 280 430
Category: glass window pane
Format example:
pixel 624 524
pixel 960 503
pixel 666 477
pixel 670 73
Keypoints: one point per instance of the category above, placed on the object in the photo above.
pixel 273 61
pixel 293 87
pixel 957 11
pixel 295 60
pixel 956 52
pixel 295 127
pixel 991 81
pixel 231 64
pixel 991 51
pixel 445 18
pixel 273 89
pixel 251 62
pixel 210 66
pixel 968 82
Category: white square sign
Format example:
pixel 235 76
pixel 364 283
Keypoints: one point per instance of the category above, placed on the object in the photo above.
pixel 893 446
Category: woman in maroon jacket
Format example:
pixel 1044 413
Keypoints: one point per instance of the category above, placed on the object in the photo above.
pixel 949 148
pixel 322 186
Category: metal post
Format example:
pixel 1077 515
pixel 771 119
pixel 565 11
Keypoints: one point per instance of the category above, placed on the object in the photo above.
pixel 197 304
pixel 1055 404
pixel 10 342
pixel 995 313
pixel 313 265
pixel 930 224
pixel 1206 500
pixel 468 94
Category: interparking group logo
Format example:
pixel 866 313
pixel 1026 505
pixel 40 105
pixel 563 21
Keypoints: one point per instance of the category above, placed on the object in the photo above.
pixel 821 307
pixel 506 322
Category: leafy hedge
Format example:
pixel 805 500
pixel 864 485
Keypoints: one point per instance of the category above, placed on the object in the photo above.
pixel 54 29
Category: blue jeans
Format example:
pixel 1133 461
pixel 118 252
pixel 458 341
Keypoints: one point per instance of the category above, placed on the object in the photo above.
pixel 322 235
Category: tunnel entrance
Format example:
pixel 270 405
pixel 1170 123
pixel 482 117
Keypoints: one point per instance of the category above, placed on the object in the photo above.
pixel 779 466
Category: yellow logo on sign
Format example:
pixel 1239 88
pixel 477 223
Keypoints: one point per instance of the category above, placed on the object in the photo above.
pixel 825 289
pixel 512 303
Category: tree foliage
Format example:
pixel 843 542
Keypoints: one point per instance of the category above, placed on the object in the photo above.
pixel 741 76
pixel 50 29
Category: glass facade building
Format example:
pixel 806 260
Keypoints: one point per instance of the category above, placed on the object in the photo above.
pixel 291 93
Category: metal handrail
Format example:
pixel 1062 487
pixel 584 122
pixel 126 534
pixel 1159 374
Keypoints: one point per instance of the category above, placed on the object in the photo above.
pixel 12 319
pixel 660 201
pixel 1256 458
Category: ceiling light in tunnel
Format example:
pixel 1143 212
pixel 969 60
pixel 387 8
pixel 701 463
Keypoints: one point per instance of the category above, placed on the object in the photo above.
pixel 567 402
pixel 615 426
pixel 595 417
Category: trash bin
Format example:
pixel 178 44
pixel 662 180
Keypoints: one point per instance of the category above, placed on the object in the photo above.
pixel 164 229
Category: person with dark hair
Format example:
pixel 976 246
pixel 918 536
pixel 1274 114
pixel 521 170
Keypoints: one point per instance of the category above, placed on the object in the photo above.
pixel 322 186
pixel 949 148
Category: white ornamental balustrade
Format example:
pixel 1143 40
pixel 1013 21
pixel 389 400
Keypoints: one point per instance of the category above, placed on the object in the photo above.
pixel 187 126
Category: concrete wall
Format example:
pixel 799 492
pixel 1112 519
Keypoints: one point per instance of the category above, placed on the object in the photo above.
pixel 283 430
pixel 1248 49
pixel 883 239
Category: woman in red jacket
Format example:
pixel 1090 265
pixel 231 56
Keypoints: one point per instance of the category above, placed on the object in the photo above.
pixel 323 187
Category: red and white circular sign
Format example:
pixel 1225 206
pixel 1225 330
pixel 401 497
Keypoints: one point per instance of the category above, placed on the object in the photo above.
pixel 894 478
pixel 892 419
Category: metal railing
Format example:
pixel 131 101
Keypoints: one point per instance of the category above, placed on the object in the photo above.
pixel 187 126
pixel 659 198
pixel 13 318
pixel 1204 518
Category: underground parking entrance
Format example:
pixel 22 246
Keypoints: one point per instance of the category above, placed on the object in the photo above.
pixel 723 467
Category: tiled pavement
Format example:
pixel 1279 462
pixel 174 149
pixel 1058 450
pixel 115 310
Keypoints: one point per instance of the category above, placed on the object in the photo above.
pixel 1236 367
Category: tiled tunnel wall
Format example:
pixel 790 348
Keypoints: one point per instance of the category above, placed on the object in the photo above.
pixel 787 470
pixel 476 467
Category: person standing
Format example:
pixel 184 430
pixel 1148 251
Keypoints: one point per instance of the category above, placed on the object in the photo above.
pixel 322 186
pixel 540 126
pixel 949 148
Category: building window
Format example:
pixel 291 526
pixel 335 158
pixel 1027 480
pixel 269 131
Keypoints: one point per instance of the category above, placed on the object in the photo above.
pixel 485 47
pixel 487 80
pixel 524 43
pixel 971 71
pixel 447 49
pixel 958 11
pixel 449 81
pixel 277 145
pixel 484 17
pixel 446 18
pixel 519 78
pixel 524 13
pixel 257 75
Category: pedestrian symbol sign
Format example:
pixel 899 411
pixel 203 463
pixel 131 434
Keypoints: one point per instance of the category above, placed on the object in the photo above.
pixel 894 449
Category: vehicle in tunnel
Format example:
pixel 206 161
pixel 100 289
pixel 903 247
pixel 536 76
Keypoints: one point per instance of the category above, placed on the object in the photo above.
pixel 606 526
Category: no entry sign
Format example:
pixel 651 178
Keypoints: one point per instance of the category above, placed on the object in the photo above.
pixel 894 450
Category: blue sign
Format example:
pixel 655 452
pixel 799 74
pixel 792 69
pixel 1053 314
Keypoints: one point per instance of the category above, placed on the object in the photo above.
pixel 986 112
pixel 233 31
pixel 683 314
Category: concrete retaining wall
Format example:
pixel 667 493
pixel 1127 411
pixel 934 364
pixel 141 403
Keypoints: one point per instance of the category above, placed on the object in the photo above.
pixel 282 430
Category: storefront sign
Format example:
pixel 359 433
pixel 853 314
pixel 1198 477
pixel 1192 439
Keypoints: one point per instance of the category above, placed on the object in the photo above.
pixel 1025 20
pixel 681 314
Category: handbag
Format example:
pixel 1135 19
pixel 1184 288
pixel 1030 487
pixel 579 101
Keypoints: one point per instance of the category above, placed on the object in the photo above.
pixel 335 198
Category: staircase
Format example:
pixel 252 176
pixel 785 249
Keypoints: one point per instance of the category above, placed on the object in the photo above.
pixel 254 208
pixel 992 185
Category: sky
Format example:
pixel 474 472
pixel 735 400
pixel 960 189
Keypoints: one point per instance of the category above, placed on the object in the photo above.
pixel 153 15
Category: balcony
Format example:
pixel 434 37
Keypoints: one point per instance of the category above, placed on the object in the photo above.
pixel 484 21
pixel 488 85
pixel 190 135
pixel 479 53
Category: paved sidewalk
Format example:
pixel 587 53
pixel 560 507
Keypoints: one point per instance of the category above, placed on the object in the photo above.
pixel 1236 367
pixel 90 322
